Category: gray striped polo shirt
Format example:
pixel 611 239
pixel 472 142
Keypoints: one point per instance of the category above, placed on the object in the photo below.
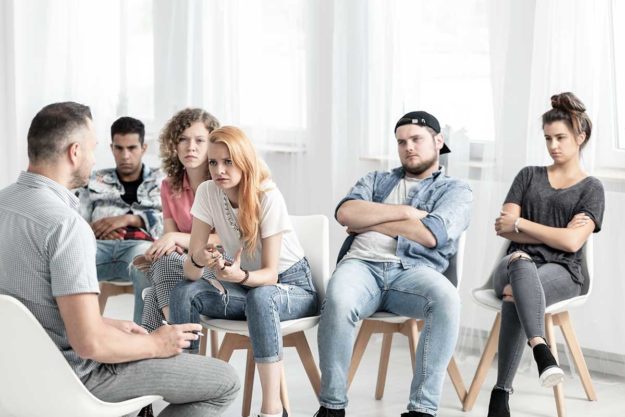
pixel 47 250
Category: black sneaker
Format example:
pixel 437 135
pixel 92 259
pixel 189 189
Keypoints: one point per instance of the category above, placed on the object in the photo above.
pixel 415 414
pixel 329 412
pixel 284 413
pixel 549 372
pixel 498 405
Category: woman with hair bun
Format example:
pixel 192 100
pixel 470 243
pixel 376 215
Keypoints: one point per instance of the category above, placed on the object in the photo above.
pixel 548 214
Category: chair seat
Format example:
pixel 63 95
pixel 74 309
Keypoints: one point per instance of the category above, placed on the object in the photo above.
pixel 488 299
pixel 240 326
pixel 387 317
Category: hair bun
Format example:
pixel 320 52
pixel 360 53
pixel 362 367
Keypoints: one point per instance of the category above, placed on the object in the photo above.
pixel 567 102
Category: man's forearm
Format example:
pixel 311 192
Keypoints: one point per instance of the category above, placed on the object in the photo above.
pixel 358 214
pixel 410 229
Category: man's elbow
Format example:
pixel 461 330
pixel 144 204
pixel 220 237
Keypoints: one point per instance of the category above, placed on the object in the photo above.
pixel 86 348
pixel 430 241
pixel 341 216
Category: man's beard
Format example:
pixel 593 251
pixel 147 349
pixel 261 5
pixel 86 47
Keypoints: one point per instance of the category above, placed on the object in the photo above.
pixel 420 168
pixel 78 180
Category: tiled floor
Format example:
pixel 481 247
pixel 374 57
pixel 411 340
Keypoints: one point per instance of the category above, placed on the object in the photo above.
pixel 529 400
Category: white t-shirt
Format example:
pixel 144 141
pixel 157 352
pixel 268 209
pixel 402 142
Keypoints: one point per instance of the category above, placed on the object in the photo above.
pixel 211 205
pixel 378 247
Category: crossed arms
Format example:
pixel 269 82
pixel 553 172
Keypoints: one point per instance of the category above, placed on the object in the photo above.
pixel 361 216
pixel 568 239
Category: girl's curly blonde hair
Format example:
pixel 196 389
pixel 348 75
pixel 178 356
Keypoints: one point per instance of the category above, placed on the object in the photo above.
pixel 170 137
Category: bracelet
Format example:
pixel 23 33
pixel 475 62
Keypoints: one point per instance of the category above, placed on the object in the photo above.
pixel 195 263
pixel 516 225
pixel 247 276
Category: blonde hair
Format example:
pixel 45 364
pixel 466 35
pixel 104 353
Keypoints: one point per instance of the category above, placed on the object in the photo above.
pixel 170 138
pixel 253 173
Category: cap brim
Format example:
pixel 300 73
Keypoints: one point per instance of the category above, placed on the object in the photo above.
pixel 444 149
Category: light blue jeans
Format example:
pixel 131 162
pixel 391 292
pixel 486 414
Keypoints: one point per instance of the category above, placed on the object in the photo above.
pixel 360 288
pixel 263 307
pixel 114 263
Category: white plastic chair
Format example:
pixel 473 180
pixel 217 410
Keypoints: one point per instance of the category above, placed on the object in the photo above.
pixel 389 323
pixel 35 378
pixel 313 234
pixel 555 314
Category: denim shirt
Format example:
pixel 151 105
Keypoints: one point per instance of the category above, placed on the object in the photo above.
pixel 102 198
pixel 447 200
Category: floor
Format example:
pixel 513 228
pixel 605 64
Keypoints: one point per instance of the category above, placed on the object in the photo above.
pixel 529 399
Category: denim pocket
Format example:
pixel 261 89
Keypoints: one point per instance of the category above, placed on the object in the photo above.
pixel 298 275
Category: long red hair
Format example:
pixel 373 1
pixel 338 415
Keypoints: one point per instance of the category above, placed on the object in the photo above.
pixel 254 173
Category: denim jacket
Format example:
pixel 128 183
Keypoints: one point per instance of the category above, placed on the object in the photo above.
pixel 102 198
pixel 447 200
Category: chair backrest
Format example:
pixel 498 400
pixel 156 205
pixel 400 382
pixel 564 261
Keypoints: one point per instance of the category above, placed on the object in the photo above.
pixel 456 262
pixel 35 378
pixel 313 233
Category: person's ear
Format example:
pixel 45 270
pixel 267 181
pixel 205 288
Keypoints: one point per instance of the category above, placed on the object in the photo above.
pixel 439 141
pixel 73 153
pixel 581 138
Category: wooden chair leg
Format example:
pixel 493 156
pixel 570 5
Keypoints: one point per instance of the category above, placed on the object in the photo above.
pixel 308 361
pixel 558 390
pixel 564 321
pixel 103 297
pixel 385 354
pixel 214 343
pixel 364 334
pixel 411 329
pixel 484 365
pixel 248 388
pixel 456 379
pixel 227 347
pixel 203 342
pixel 284 394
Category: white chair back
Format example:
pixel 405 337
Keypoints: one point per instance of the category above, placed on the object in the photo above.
pixel 313 233
pixel 35 378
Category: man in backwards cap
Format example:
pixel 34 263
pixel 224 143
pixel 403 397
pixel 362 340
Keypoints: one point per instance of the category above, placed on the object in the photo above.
pixel 403 227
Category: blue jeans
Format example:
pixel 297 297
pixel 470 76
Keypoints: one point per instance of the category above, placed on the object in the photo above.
pixel 263 307
pixel 360 288
pixel 114 263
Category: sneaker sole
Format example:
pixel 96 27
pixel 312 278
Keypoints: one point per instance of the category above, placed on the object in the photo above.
pixel 551 376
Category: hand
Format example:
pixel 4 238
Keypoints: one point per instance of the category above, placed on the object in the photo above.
pixel 171 339
pixel 165 245
pixel 225 271
pixel 579 220
pixel 505 223
pixel 354 231
pixel 413 213
pixel 106 225
pixel 114 235
pixel 126 326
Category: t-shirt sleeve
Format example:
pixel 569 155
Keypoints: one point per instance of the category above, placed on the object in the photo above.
pixel 274 215
pixel 592 202
pixel 166 199
pixel 72 252
pixel 518 187
pixel 201 204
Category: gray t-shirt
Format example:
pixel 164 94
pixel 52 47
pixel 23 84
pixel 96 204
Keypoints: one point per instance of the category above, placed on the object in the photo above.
pixel 541 203
pixel 47 250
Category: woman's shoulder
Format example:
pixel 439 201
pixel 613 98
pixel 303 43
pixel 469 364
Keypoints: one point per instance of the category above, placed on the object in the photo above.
pixel 207 189
pixel 593 183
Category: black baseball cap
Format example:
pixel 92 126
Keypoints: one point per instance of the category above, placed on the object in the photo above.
pixel 422 118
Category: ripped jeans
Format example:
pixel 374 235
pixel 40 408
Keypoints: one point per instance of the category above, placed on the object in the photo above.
pixel 264 307
pixel 533 287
